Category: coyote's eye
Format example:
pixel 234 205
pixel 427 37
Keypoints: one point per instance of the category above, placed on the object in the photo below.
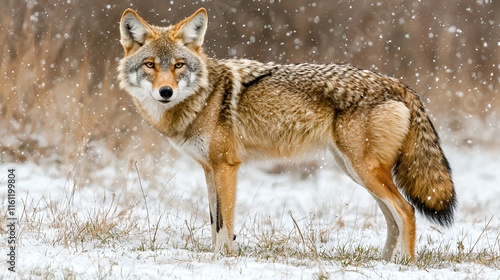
pixel 149 64
pixel 179 65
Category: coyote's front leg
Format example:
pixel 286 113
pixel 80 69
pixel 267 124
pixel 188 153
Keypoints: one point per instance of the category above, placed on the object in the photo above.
pixel 212 200
pixel 221 183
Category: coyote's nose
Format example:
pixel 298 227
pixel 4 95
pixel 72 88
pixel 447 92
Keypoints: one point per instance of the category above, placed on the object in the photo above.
pixel 166 92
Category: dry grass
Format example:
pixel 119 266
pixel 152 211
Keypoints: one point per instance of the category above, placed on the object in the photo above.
pixel 61 222
pixel 114 221
pixel 60 102
pixel 149 215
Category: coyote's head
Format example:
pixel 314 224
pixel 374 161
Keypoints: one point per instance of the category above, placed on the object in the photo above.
pixel 162 65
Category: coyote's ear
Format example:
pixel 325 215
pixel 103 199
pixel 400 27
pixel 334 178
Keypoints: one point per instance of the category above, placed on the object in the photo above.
pixel 192 29
pixel 134 31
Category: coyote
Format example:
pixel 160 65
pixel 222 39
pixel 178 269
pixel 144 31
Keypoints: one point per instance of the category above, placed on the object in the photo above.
pixel 222 112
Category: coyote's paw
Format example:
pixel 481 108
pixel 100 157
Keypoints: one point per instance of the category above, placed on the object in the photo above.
pixel 223 243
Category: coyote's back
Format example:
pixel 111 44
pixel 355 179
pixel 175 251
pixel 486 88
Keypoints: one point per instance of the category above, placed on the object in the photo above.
pixel 321 99
pixel 224 112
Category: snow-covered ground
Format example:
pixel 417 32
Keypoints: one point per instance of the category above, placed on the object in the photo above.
pixel 113 226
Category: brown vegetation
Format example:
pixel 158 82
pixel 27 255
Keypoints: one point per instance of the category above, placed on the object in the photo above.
pixel 60 102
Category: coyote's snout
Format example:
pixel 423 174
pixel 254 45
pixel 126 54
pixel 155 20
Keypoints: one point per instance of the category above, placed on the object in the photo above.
pixel 224 112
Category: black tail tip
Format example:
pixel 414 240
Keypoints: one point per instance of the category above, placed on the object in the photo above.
pixel 444 216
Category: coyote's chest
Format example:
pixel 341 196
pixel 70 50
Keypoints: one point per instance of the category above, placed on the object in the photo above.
pixel 196 147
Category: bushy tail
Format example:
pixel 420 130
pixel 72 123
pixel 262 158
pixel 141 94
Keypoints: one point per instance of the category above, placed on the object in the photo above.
pixel 422 171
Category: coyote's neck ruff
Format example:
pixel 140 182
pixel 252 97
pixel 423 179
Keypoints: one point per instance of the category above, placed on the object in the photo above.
pixel 223 112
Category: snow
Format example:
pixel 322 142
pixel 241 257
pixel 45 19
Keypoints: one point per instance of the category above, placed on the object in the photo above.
pixel 267 205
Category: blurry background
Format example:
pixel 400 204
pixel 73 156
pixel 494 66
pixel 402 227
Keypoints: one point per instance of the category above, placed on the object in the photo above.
pixel 60 101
